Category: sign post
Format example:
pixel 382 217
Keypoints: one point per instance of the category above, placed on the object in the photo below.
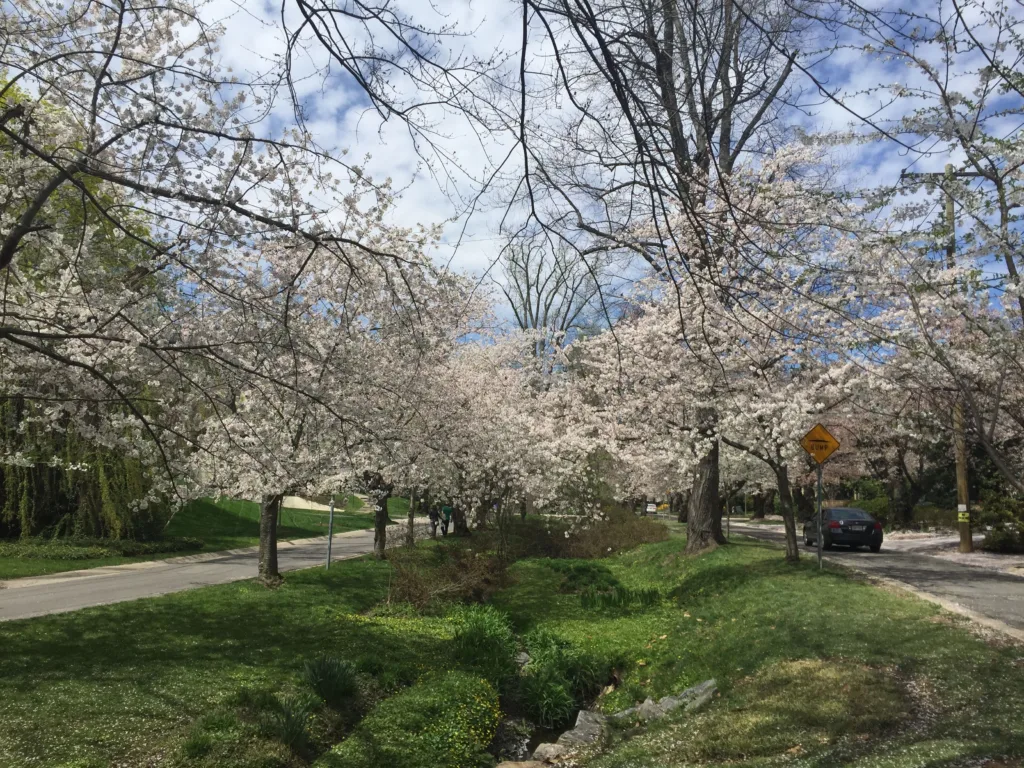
pixel 820 444
pixel 330 534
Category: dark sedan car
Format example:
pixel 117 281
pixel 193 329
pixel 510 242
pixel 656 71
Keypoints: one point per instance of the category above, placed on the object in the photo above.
pixel 845 525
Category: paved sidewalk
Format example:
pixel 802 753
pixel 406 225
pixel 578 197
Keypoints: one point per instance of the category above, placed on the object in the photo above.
pixel 72 590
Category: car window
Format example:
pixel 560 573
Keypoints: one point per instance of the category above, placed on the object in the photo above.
pixel 848 514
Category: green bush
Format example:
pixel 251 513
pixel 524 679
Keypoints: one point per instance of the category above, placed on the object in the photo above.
pixel 1005 517
pixel 484 641
pixel 877 507
pixel 1003 540
pixel 443 721
pixel 92 549
pixel 333 680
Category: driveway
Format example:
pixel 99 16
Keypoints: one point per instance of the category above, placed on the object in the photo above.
pixel 989 596
pixel 70 591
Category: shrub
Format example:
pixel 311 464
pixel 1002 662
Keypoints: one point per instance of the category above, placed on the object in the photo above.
pixel 443 721
pixel 450 572
pixel 1006 518
pixel 877 507
pixel 1003 540
pixel 620 530
pixel 333 680
pixel 484 641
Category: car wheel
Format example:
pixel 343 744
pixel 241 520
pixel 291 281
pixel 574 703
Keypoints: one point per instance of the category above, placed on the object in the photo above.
pixel 876 547
pixel 808 542
pixel 827 544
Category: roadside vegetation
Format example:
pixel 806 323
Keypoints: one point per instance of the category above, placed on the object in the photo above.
pixel 205 525
pixel 338 667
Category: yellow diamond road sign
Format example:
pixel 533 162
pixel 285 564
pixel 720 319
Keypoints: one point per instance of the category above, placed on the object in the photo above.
pixel 819 443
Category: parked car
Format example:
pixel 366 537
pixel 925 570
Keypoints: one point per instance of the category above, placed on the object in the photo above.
pixel 844 525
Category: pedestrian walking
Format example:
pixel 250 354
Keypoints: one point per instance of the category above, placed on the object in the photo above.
pixel 446 518
pixel 435 517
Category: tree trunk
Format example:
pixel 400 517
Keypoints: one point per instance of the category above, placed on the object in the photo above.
pixel 380 497
pixel 806 501
pixel 643 506
pixel 681 499
pixel 786 505
pixel 267 573
pixel 704 507
pixel 410 531
pixel 460 526
pixel 716 522
pixel 763 502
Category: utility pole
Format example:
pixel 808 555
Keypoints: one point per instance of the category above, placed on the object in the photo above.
pixel 963 500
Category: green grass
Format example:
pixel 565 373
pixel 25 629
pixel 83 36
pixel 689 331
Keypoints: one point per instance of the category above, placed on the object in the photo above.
pixel 221 524
pixel 814 669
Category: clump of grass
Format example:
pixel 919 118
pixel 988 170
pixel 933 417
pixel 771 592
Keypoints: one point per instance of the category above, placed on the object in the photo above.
pixel 332 679
pixel 619 597
pixel 288 721
pixel 485 643
pixel 559 679
pixel 580 575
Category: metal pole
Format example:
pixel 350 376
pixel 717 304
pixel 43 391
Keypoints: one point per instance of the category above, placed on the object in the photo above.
pixel 820 544
pixel 330 534
pixel 963 500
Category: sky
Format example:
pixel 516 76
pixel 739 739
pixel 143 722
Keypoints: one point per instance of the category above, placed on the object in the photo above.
pixel 338 116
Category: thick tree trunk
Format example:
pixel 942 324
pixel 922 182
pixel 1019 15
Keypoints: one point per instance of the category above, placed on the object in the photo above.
pixel 704 506
pixel 267 572
pixel 786 505
pixel 380 499
pixel 643 506
pixel 763 504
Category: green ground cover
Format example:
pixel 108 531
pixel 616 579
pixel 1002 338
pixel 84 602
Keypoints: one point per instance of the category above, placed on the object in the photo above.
pixel 219 524
pixel 814 669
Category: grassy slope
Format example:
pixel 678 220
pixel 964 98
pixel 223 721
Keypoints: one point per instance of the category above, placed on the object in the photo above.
pixel 799 658
pixel 224 524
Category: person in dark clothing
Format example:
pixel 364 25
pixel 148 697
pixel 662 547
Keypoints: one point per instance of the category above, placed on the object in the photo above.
pixel 434 516
pixel 446 518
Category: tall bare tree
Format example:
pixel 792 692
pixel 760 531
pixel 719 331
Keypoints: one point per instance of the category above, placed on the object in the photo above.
pixel 662 99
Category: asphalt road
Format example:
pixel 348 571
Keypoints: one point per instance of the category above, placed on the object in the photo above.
pixel 984 593
pixel 70 591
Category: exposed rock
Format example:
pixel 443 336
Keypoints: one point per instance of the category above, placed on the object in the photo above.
pixel 588 730
pixel 692 698
pixel 522 658
pixel 523 764
pixel 549 752
pixel 650 710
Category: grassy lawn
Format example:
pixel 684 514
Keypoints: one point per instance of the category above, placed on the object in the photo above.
pixel 814 670
pixel 222 524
